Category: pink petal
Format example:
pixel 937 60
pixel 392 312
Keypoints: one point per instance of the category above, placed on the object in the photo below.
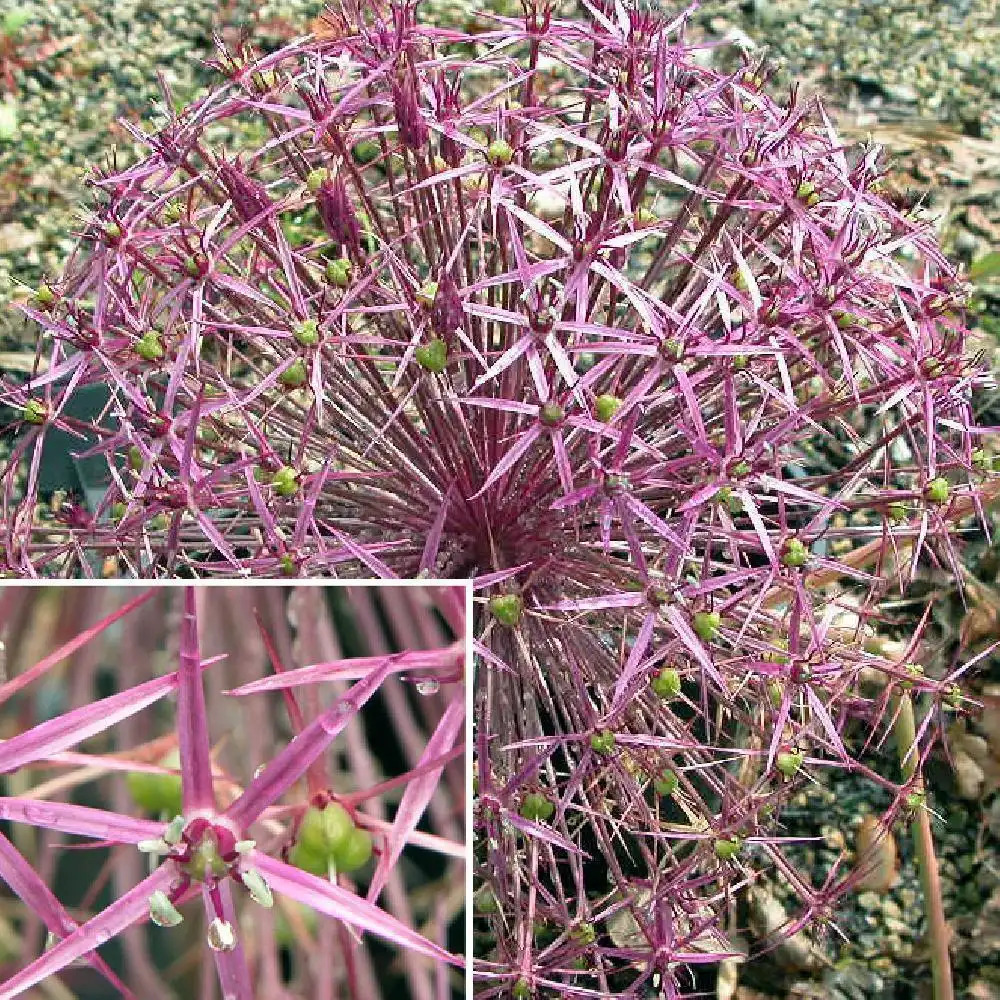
pixel 83 821
pixel 419 791
pixel 289 765
pixel 340 904
pixel 67 649
pixel 29 887
pixel 192 721
pixel 132 908
pixel 74 727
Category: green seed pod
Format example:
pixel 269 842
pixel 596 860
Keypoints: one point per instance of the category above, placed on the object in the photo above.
pixel 551 414
pixel 135 460
pixel 665 783
pixel 706 624
pixel 432 356
pixel 606 406
pixel 484 901
pixel 981 460
pixel 507 608
pixel 740 362
pixel 118 510
pixel 338 272
pixel 897 512
pixel 306 333
pixel 314 862
pixel 499 153
pixel 583 934
pixel 521 990
pixel 157 794
pixel 285 481
pixel 149 347
pixel 666 684
pixel 35 412
pixel 537 806
pixel 644 217
pixel 602 742
pixel 324 830
pixel 365 151
pixel 916 799
pixel 775 694
pixel 315 178
pixel 287 564
pixel 937 491
pixel 741 469
pixel 159 522
pixel 788 762
pixel 295 375
pixel 794 554
pixel 113 232
pixel 172 212
pixel 44 296
pixel 727 849
pixel 427 293
pixel 354 852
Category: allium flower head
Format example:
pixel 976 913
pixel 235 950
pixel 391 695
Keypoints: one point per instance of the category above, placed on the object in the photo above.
pixel 649 354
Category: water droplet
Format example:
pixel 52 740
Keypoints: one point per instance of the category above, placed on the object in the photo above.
pixel 221 936
pixel 428 686
pixel 337 717
pixel 259 771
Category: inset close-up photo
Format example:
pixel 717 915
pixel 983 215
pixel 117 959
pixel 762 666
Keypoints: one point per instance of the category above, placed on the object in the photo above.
pixel 233 792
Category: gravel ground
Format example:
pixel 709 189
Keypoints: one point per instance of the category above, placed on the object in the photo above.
pixel 923 79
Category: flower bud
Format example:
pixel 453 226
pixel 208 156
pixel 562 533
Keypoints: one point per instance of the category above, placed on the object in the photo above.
pixel 665 783
pixel 409 121
pixel 337 213
pixel 315 178
pixel 794 554
pixel 727 848
pixel 338 272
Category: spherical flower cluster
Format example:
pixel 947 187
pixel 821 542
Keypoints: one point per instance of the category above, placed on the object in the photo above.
pixel 557 306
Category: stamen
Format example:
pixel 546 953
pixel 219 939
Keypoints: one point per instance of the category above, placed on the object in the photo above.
pixel 260 891
pixel 162 912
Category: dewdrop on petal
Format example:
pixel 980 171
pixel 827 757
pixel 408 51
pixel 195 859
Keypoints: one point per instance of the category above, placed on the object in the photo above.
pixel 221 936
